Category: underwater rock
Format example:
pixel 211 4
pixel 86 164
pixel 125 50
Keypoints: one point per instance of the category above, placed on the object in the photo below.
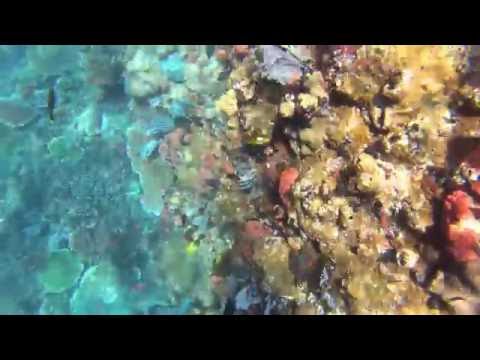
pixel 63 147
pixel 15 113
pixel 62 271
pixel 248 298
pixel 278 65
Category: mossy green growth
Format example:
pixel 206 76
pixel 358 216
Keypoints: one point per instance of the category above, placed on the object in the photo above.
pixel 62 271
pixel 186 268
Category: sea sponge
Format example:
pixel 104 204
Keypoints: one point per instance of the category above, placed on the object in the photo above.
pixel 259 121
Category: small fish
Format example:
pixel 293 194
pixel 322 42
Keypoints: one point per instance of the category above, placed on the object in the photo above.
pixel 246 180
pixel 51 103
pixel 210 50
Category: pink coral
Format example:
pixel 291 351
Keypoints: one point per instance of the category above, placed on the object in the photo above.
pixel 255 230
pixel 461 227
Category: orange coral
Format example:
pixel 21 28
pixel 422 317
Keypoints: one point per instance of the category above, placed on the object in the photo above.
pixel 287 180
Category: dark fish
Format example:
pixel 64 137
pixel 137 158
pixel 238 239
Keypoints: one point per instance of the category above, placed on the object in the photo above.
pixel 51 103
pixel 210 50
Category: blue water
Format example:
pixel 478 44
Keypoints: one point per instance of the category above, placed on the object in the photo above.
pixel 77 234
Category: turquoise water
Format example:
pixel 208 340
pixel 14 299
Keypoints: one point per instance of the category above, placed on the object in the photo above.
pixel 90 209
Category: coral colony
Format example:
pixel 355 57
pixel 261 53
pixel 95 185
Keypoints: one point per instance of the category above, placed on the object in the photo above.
pixel 267 179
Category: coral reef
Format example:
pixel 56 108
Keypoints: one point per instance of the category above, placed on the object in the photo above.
pixel 239 179
pixel 367 128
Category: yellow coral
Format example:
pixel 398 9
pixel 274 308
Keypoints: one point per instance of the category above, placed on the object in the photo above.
pixel 360 87
pixel 287 108
pixel 316 85
pixel 350 127
pixel 426 71
pixel 370 176
pixel 307 101
pixel 316 135
pixel 228 103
